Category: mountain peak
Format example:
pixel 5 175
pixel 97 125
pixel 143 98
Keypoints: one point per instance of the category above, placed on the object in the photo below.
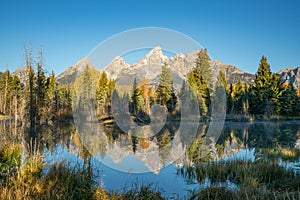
pixel 156 56
pixel 155 50
pixel 115 67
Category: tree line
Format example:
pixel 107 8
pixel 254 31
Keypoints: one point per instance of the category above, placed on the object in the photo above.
pixel 36 101
pixel 41 100
pixel 267 96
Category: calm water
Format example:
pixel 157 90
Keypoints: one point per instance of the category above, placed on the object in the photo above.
pixel 120 160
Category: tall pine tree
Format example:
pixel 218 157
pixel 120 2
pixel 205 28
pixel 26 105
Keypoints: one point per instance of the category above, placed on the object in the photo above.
pixel 165 88
pixel 203 66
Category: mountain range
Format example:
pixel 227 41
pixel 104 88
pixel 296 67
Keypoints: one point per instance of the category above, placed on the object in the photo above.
pixel 180 65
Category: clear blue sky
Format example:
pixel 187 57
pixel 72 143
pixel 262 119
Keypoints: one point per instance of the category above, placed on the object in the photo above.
pixel 235 32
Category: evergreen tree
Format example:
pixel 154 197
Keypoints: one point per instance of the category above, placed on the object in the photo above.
pixel 200 90
pixel 203 66
pixel 40 91
pixel 137 101
pixel 5 92
pixel 238 95
pixel 288 101
pixel 30 102
pixel 134 98
pixel 101 94
pixel 263 75
pixel 264 95
pixel 51 97
pixel 165 88
pixel 104 91
pixel 86 95
pixel 110 90
pixel 230 104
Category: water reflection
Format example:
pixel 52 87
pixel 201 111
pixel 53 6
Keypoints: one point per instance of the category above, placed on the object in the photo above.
pixel 156 151
pixel 116 150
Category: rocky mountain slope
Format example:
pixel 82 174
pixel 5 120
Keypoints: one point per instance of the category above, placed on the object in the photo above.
pixel 22 74
pixel 291 75
pixel 72 73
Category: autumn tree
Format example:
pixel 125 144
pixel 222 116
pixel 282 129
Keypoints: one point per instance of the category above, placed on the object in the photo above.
pixel 104 90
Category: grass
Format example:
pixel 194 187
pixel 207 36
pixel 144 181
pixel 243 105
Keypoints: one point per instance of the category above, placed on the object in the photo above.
pixel 284 153
pixel 30 180
pixel 261 179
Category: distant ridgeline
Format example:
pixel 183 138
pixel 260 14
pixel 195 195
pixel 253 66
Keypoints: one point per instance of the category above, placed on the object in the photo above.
pixel 36 98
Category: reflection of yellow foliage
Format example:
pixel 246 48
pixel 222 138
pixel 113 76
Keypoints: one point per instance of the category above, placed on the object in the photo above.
pixel 123 136
pixel 288 153
pixel 285 85
pixel 232 134
pixel 298 134
pixel 76 140
pixel 123 90
pixel 144 143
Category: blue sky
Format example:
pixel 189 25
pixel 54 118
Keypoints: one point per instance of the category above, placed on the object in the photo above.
pixel 235 32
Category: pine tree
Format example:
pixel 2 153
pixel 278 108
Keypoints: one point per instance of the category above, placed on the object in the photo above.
pixel 203 66
pixel 165 88
pixel 134 98
pixel 288 101
pixel 230 104
pixel 110 89
pixel 264 95
pixel 238 95
pixel 30 102
pixel 51 97
pixel 263 75
pixel 86 96
pixel 200 90
pixel 104 91
pixel 101 94
pixel 137 100
pixel 5 92
pixel 16 91
pixel 40 91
